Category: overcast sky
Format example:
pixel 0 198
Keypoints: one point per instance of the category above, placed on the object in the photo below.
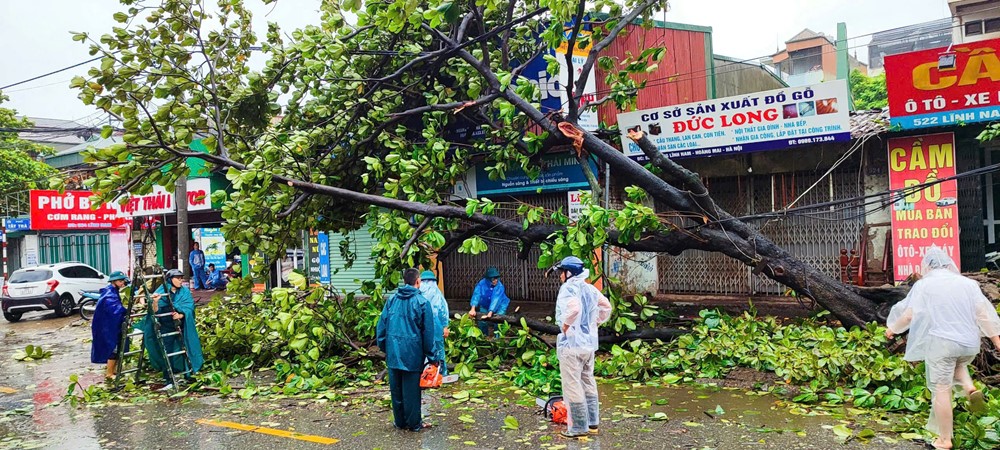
pixel 35 39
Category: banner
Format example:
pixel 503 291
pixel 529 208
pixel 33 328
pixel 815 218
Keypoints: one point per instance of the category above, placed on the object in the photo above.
pixel 70 210
pixel 214 245
pixel 769 120
pixel 559 173
pixel 929 216
pixel 924 92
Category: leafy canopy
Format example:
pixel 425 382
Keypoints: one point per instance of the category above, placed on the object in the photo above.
pixel 348 124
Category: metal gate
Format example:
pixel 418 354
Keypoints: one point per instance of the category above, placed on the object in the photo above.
pixel 523 280
pixel 971 234
pixel 814 238
pixel 88 248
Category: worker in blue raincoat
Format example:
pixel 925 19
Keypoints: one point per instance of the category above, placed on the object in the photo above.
pixel 109 314
pixel 490 298
pixel 439 307
pixel 178 301
pixel 405 333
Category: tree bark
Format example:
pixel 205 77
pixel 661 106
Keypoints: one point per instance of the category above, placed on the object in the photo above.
pixel 605 337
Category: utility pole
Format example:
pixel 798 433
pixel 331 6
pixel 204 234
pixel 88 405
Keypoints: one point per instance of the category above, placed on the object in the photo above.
pixel 183 234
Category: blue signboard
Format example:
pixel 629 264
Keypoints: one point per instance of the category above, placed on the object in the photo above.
pixel 22 224
pixel 559 173
pixel 324 257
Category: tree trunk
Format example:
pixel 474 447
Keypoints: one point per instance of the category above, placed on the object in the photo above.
pixel 606 336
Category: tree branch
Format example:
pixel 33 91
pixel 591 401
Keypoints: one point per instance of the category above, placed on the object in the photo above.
pixel 595 52
pixel 605 337
pixel 416 235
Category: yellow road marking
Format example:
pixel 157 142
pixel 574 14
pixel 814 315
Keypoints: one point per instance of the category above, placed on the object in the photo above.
pixel 269 431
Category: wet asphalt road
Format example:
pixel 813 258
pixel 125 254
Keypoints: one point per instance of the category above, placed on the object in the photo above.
pixel 30 416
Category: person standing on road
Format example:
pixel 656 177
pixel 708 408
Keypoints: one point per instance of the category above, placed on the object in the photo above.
pixel 946 314
pixel 197 260
pixel 439 307
pixel 491 296
pixel 580 310
pixel 178 301
pixel 405 333
pixel 106 327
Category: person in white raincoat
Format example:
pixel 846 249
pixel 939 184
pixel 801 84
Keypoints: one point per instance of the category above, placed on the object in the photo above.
pixel 439 306
pixel 946 314
pixel 580 309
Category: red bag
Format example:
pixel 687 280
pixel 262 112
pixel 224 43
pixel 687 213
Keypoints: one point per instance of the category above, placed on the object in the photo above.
pixel 431 378
pixel 555 410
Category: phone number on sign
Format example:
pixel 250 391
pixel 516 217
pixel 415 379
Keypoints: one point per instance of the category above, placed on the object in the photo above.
pixel 812 140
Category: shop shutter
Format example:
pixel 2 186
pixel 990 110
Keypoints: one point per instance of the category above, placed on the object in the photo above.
pixel 89 248
pixel 346 280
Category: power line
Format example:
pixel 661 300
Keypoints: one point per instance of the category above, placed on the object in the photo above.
pixel 51 73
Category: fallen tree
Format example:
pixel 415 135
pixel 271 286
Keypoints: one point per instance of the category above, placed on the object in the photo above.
pixel 354 124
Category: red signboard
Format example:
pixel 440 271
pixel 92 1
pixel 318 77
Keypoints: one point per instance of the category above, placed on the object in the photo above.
pixel 926 217
pixel 927 89
pixel 70 210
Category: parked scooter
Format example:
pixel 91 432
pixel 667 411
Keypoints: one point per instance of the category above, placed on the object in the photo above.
pixel 88 303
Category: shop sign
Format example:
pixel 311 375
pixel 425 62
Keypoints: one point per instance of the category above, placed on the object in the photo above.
pixel 19 224
pixel 319 257
pixel 924 92
pixel 70 210
pixel 769 120
pixel 559 173
pixel 161 201
pixel 928 217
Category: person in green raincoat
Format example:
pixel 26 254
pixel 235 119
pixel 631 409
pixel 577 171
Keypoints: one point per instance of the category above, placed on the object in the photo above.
pixel 180 303
pixel 406 334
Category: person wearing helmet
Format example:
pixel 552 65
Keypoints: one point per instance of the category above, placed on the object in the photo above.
pixel 489 295
pixel 946 314
pixel 106 327
pixel 439 307
pixel 175 298
pixel 580 310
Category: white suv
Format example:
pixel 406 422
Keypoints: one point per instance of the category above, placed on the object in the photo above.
pixel 50 287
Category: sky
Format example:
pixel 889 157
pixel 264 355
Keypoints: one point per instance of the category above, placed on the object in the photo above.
pixel 35 40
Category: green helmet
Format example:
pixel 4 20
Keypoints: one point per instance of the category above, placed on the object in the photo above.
pixel 428 275
pixel 117 275
pixel 492 272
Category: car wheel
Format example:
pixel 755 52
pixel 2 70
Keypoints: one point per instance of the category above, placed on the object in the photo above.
pixel 65 305
pixel 12 317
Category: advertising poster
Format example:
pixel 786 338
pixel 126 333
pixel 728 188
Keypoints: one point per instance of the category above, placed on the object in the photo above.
pixel 588 119
pixel 770 120
pixel 575 205
pixel 926 217
pixel 214 245
pixel 938 87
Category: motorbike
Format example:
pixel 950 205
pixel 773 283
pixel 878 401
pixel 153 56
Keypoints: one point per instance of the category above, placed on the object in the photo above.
pixel 88 304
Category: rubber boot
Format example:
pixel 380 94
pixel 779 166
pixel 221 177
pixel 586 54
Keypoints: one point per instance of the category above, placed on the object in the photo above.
pixel 577 426
pixel 593 414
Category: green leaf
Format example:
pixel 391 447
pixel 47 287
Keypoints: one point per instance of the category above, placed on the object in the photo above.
pixel 843 432
pixel 465 418
pixel 510 423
